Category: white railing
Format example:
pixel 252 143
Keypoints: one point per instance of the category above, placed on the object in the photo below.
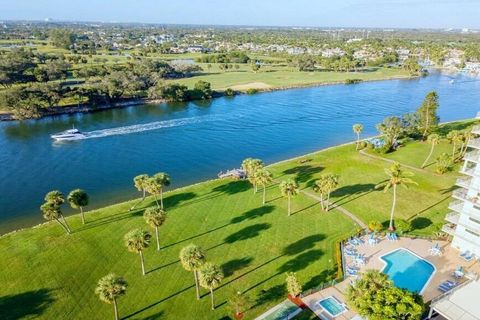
pixel 472 155
pixel 460 194
pixel 474 143
pixel 448 293
pixel 453 217
pixel 476 128
pixel 448 228
pixel 463 182
pixel 456 205
pixel 469 171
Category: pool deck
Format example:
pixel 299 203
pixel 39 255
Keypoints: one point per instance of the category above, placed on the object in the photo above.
pixel 444 265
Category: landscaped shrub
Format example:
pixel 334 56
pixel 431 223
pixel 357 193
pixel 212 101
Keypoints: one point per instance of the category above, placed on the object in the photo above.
pixel 375 225
pixel 338 260
pixel 229 92
pixel 402 226
pixel 444 163
pixel 362 145
pixel 352 81
pixel 252 91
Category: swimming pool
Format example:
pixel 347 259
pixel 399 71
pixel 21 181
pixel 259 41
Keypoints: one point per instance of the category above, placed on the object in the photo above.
pixel 407 270
pixel 332 306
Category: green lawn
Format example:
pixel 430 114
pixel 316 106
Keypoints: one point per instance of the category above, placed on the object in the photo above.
pixel 50 275
pixel 280 77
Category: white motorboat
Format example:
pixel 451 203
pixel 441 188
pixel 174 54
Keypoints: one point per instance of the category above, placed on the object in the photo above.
pixel 71 134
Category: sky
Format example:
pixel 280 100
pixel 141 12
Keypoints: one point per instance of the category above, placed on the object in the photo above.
pixel 315 13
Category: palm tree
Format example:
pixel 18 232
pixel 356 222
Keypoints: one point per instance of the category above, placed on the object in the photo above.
pixel 51 211
pixel 263 177
pixel 140 182
pixel 210 277
pixel 357 129
pixel 454 137
pixel 433 139
pixel 136 241
pixel 156 184
pixel 396 177
pixel 78 199
pixel 193 258
pixel 55 197
pixel 155 217
pixel 249 166
pixel 289 188
pixel 110 288
pixel 466 136
pixel 325 185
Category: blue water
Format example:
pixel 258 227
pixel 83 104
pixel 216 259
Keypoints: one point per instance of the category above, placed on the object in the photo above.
pixel 194 141
pixel 332 306
pixel 407 271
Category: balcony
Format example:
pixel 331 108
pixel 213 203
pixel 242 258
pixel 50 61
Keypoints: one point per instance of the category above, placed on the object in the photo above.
pixel 453 217
pixel 461 194
pixel 468 171
pixel 476 129
pixel 456 206
pixel 449 228
pixel 464 182
pixel 474 143
pixel 473 156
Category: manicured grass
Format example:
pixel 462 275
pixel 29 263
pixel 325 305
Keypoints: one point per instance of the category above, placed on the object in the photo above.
pixel 50 275
pixel 277 76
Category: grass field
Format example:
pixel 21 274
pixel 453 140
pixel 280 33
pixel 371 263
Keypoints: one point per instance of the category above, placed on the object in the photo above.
pixel 50 275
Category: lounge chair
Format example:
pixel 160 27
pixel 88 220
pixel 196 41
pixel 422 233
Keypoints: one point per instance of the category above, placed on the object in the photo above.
pixel 358 240
pixel 351 272
pixel 468 257
pixel 465 253
pixel 447 286
pixel 458 273
pixel 394 236
pixel 352 242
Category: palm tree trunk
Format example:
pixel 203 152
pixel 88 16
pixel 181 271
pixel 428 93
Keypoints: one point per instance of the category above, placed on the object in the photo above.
pixel 196 284
pixel 143 198
pixel 358 140
pixel 289 207
pixel 115 308
pixel 321 201
pixel 428 158
pixel 264 194
pixel 142 261
pixel 161 198
pixel 60 223
pixel 213 302
pixel 158 238
pixel 65 223
pixel 143 195
pixel 393 206
pixel 156 200
pixel 453 151
pixel 328 202
pixel 82 215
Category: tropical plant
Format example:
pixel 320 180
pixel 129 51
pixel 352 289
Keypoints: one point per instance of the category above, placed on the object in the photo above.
pixel 433 139
pixel 466 136
pixel 294 287
pixel 289 189
pixel 375 297
pixel 140 182
pixel 109 289
pixel 78 199
pixel 155 186
pixel 249 166
pixel 52 211
pixel 357 129
pixel 155 217
pixel 210 278
pixel 137 241
pixel 193 258
pixel 391 128
pixel 55 197
pixel 444 163
pixel 427 113
pixel 454 137
pixel 263 177
pixel 375 225
pixel 325 185
pixel 396 176
pixel 238 303
pixel 403 226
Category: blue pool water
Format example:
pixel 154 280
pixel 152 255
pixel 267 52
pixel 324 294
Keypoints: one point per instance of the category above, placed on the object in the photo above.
pixel 332 306
pixel 406 270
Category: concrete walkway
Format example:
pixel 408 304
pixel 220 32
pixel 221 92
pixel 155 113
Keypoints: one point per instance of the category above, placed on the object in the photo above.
pixel 392 161
pixel 337 207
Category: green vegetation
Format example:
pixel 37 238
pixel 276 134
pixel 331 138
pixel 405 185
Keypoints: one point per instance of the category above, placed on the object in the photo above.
pixel 374 296
pixel 255 246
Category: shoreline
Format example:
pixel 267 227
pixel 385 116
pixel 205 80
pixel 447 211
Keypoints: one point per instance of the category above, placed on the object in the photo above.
pixel 217 179
pixel 87 108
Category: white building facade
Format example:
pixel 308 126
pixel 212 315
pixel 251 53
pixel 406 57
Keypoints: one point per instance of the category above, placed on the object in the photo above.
pixel 464 220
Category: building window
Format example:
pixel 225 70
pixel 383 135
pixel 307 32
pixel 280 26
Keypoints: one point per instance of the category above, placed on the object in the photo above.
pixel 474 233
pixel 474 220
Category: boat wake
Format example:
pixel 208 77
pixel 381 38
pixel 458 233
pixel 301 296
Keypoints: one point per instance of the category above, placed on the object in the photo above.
pixel 145 127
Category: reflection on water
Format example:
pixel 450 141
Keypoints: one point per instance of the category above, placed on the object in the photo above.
pixel 194 141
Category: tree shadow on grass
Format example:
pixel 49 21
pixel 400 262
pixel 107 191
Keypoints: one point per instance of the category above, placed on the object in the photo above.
pixel 155 316
pixel 303 173
pixel 301 261
pixel 247 232
pixel 196 236
pixel 270 294
pixel 230 267
pixel 303 244
pixel 26 304
pixel 352 192
pixel 233 187
pixel 446 128
pixel 178 198
pixel 110 219
pixel 253 214
pixel 322 277
pixel 419 223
